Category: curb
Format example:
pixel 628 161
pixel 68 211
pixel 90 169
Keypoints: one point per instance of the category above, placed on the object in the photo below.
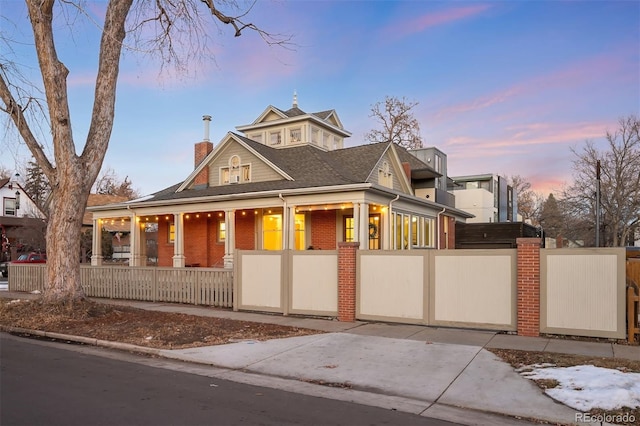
pixel 468 416
pixel 85 340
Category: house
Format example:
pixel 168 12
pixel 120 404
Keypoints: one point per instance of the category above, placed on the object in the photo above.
pixel 286 181
pixel 22 223
pixel 487 196
pixel 118 245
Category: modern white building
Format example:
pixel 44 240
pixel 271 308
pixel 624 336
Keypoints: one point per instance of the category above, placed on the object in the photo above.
pixel 488 197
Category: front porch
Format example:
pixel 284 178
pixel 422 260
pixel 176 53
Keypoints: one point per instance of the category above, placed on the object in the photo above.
pixel 208 236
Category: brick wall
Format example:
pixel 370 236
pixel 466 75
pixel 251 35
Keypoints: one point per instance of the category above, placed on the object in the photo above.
pixel 165 249
pixel 347 281
pixel 323 229
pixel 246 231
pixel 196 232
pixel 452 233
pixel 528 285
pixel 201 239
pixel 202 149
pixel 216 248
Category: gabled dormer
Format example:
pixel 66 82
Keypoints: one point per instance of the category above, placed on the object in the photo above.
pixel 294 127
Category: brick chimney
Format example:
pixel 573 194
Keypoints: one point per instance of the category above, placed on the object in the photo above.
pixel 407 170
pixel 202 149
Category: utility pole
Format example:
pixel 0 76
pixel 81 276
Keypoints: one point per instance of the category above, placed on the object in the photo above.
pixel 598 203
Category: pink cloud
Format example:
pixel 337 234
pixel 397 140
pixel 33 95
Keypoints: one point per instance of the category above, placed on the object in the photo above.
pixel 434 19
pixel 530 135
pixel 594 69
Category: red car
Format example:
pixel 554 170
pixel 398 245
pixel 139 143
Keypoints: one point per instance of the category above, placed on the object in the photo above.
pixel 23 258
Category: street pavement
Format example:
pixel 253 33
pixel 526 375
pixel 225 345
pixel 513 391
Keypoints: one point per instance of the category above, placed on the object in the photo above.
pixel 441 373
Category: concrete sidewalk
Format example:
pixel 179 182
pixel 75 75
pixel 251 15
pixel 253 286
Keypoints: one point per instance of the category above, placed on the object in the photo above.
pixel 435 372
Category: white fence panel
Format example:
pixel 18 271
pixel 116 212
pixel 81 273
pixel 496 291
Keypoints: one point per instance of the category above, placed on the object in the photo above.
pixel 582 292
pixel 314 283
pixel 475 288
pixel 391 286
pixel 200 286
pixel 260 277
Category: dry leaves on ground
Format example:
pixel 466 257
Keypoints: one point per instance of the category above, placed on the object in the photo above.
pixel 155 329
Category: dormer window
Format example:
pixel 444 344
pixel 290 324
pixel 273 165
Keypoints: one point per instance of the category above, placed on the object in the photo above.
pixel 275 138
pixel 295 135
pixel 256 137
pixel 385 177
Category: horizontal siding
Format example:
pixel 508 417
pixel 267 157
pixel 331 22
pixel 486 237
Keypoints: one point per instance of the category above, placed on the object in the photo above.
pixel 259 171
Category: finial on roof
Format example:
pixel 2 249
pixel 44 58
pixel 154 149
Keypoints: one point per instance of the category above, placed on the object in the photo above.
pixel 295 99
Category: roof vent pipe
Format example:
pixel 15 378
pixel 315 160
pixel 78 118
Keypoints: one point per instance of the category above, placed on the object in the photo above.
pixel 207 122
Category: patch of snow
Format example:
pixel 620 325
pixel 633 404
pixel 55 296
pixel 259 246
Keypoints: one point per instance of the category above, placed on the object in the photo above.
pixel 533 366
pixel 585 387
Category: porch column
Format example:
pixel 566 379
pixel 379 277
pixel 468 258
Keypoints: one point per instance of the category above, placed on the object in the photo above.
pixel 364 226
pixel 385 229
pixel 356 222
pixel 137 251
pixel 134 237
pixel 291 225
pixel 178 241
pixel 96 243
pixel 229 240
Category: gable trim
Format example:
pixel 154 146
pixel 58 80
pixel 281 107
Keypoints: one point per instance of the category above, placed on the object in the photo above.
pixel 216 150
pixel 285 120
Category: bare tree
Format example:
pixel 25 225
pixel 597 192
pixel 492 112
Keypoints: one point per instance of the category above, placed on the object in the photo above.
pixel 4 172
pixel 398 125
pixel 552 218
pixel 171 28
pixel 529 201
pixel 108 183
pixel 619 183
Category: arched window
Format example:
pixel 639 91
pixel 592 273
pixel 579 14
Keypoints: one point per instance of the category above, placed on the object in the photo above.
pixel 385 177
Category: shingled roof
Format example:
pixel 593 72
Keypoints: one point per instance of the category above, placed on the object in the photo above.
pixel 309 166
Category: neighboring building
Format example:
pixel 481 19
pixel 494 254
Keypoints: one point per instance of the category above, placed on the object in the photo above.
pixel 435 189
pixel 22 223
pixel 488 197
pixel 118 231
pixel 287 182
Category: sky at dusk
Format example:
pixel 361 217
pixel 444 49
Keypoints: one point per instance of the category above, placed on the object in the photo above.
pixel 504 87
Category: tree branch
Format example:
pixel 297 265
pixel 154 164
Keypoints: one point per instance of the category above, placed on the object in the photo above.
pixel 16 112
pixel 105 91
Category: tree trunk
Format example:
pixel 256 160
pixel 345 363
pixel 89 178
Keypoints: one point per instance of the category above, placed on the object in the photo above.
pixel 63 240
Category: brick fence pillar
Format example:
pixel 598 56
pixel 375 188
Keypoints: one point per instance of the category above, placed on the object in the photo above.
pixel 528 286
pixel 347 281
